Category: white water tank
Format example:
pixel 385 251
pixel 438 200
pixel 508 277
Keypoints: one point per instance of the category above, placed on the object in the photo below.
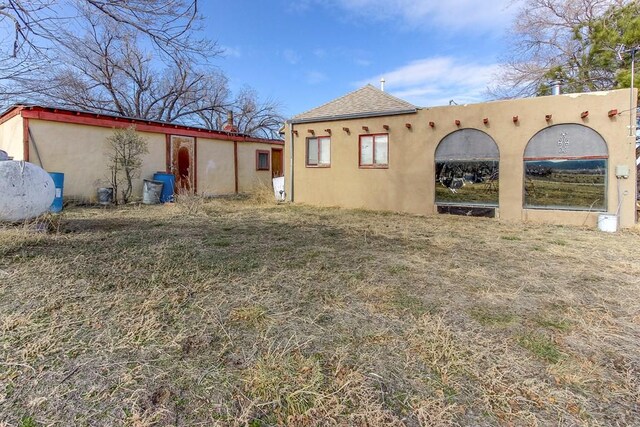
pixel 26 190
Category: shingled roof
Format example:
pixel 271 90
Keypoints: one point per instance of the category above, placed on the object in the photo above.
pixel 367 101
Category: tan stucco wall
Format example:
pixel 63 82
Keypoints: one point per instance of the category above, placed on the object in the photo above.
pixel 11 137
pixel 248 177
pixel 78 151
pixel 408 184
pixel 215 167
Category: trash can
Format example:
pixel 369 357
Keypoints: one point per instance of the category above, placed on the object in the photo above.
pixel 169 181
pixel 151 191
pixel 105 196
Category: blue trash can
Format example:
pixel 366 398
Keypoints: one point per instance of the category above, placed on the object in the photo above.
pixel 169 182
pixel 58 182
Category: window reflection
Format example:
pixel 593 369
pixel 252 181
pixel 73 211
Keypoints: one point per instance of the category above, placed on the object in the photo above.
pixel 568 184
pixel 467 182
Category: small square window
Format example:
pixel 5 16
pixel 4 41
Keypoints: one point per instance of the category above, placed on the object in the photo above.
pixel 262 160
pixel 374 151
pixel 319 152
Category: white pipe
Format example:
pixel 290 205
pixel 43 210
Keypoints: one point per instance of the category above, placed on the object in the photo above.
pixel 291 162
pixel 632 111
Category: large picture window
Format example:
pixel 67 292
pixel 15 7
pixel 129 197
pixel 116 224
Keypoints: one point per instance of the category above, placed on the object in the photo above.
pixel 319 152
pixel 374 151
pixel 467 165
pixel 566 168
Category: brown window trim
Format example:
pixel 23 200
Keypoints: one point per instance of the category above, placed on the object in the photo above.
pixel 373 165
pixel 268 153
pixel 306 153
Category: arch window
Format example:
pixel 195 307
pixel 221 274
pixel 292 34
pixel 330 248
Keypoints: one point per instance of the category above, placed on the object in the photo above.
pixel 566 168
pixel 467 163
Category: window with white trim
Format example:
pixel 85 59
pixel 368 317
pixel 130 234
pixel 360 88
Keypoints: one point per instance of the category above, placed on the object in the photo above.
pixel 374 151
pixel 319 151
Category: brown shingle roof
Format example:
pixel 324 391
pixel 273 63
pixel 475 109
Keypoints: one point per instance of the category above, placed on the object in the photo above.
pixel 366 101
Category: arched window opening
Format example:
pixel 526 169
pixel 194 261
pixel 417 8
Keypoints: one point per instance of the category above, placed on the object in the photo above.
pixel 566 168
pixel 467 164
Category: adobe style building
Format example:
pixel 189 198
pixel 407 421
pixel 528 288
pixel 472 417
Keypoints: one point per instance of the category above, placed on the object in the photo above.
pixel 562 159
pixel 74 142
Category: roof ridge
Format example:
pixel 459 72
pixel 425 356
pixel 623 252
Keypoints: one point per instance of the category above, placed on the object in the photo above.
pixel 393 96
pixel 334 100
pixel 364 100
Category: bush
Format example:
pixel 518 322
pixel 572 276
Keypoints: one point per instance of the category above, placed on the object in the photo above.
pixel 125 149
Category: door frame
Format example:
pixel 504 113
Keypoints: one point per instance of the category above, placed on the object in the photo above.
pixel 169 159
pixel 281 161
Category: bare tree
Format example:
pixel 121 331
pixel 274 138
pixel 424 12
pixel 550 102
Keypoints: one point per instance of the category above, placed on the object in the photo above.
pixel 125 150
pixel 554 38
pixel 257 117
pixel 107 71
pixel 36 24
pixel 104 63
pixel 32 31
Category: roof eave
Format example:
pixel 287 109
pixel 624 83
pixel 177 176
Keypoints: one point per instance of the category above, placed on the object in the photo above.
pixel 351 116
pixel 206 133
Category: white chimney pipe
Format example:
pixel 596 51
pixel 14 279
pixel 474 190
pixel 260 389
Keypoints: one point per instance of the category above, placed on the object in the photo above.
pixel 382 81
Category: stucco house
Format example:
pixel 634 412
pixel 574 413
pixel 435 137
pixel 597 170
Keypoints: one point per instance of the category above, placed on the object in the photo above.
pixel 74 143
pixel 563 159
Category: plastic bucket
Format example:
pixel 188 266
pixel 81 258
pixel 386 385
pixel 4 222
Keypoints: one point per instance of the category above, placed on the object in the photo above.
pixel 105 196
pixel 608 223
pixel 151 191
pixel 58 182
pixel 169 180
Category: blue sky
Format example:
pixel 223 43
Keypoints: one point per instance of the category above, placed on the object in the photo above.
pixel 305 53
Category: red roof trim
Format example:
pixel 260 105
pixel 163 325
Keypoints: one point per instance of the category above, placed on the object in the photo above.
pixel 8 115
pixel 93 119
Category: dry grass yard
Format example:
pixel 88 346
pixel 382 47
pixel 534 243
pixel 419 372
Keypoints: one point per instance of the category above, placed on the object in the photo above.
pixel 229 312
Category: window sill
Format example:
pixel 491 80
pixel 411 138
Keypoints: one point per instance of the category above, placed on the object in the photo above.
pixel 564 208
pixel 318 166
pixel 374 166
pixel 468 204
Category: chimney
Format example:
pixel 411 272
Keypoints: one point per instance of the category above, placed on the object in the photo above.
pixel 229 127
pixel 556 87
pixel 382 82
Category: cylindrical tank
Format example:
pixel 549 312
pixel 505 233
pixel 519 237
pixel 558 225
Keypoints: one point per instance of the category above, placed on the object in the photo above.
pixel 169 180
pixel 151 191
pixel 58 181
pixel 26 191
